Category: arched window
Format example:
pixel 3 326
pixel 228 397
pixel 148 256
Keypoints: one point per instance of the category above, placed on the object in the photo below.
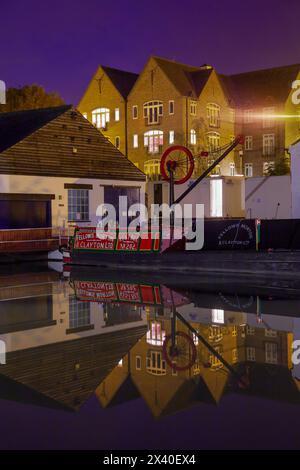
pixel 193 137
pixel 100 117
pixel 152 111
pixel 153 140
pixel 213 114
pixel 213 141
pixel 152 167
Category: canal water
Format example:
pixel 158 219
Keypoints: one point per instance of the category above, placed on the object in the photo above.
pixel 92 359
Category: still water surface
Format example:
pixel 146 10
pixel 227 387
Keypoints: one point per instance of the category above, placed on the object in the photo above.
pixel 100 360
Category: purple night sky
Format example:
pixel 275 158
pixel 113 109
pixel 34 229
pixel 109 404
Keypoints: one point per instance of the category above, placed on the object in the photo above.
pixel 59 44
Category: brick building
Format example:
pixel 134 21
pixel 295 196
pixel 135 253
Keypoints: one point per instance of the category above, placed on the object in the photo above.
pixel 172 103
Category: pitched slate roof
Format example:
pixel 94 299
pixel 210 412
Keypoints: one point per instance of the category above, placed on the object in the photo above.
pixel 59 142
pixel 122 80
pixel 258 86
pixel 188 80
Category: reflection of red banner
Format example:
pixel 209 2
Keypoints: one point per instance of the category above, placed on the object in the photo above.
pixel 129 292
pixel 89 241
pixel 96 291
pixel 127 244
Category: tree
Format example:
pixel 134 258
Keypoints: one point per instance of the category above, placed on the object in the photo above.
pixel 29 97
pixel 281 167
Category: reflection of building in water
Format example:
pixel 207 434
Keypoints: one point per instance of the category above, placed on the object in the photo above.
pixel 58 348
pixel 259 354
pixel 115 314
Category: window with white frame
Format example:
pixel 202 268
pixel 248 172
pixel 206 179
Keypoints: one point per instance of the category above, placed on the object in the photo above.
pixel 152 167
pixel 213 114
pixel 215 333
pixel 250 330
pixel 268 144
pixel 153 140
pixel 231 115
pixel 248 145
pixel 213 141
pixel 193 108
pixel 79 313
pixel 248 116
pixel 100 117
pixel 135 141
pixel 248 170
pixel 271 353
pixel 232 169
pixel 135 113
pixel 117 114
pixel 138 362
pixel 250 353
pixel 155 335
pixel 155 363
pixel 268 117
pixel 235 356
pixel 117 142
pixel 267 167
pixel 171 137
pixel 153 110
pixel 171 107
pixel 193 137
pixel 217 315
pixel 78 205
pixel 270 333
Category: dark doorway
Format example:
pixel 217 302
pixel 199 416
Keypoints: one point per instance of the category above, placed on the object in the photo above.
pixel 157 189
pixel 16 214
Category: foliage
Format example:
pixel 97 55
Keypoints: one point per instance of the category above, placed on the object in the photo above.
pixel 281 167
pixel 30 97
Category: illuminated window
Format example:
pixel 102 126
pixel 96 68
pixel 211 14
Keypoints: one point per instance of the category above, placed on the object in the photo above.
pixel 154 140
pixel 248 142
pixel 120 363
pixel 248 170
pixel 152 167
pixel 250 353
pixel 193 137
pixel 268 144
pixel 248 116
pixel 155 363
pixel 214 360
pixel 217 315
pixel 193 108
pixel 155 335
pixel 235 356
pixel 216 197
pixel 231 115
pixel 100 117
pixel 134 112
pixel 213 141
pixel 268 117
pixel 195 339
pixel 271 353
pixel 135 141
pixel 270 333
pixel 213 114
pixel 153 110
pixel 215 333
pixel 84 115
pixel 171 137
pixel 117 142
pixel 171 107
pixel 117 114
pixel 234 330
pixel 232 169
pixel 138 362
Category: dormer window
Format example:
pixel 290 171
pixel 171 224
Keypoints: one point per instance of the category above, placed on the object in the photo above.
pixel 100 117
pixel 153 110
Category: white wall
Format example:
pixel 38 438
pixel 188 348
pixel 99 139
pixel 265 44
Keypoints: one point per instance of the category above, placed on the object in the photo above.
pixel 262 195
pixel 55 185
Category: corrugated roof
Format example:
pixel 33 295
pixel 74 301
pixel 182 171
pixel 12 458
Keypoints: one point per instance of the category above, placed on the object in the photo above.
pixel 59 142
pixel 122 80
pixel 259 86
